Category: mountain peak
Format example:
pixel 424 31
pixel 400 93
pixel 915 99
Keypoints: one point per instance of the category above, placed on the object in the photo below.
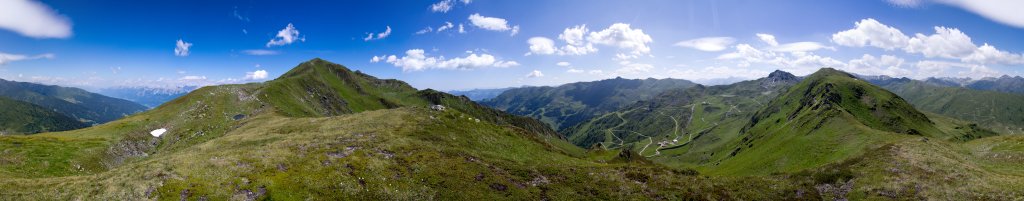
pixel 778 77
pixel 830 92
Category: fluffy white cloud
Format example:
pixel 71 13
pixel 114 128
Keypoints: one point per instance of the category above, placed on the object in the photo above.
pixel 870 32
pixel 799 62
pixel 181 48
pixel 708 44
pixel 563 64
pixel 489 23
pixel 288 35
pixel 256 75
pixel 580 41
pixel 417 60
pixel 573 70
pixel 535 74
pixel 381 35
pixel 946 42
pixel 260 52
pixel 950 43
pixel 884 65
pixel 33 19
pixel 7 58
pixel 462 29
pixel 768 38
pixel 622 36
pixel 442 6
pixel 541 45
pixel 987 54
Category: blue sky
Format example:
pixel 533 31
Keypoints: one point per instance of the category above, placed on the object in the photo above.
pixel 96 44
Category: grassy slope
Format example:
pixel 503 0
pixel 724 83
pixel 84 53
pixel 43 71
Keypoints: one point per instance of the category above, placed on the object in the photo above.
pixel 1001 112
pixel 689 122
pixel 18 117
pixel 87 107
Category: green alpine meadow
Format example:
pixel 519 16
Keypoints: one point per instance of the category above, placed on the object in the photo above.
pixel 192 100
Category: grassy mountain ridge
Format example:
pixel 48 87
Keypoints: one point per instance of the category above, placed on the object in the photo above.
pixel 86 107
pixel 1002 112
pixel 18 117
pixel 828 117
pixel 681 115
pixel 567 105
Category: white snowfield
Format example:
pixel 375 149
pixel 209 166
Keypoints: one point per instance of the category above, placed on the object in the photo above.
pixel 158 132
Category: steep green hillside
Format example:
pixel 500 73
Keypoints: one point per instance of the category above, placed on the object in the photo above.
pixel 18 117
pixel 1001 112
pixel 570 104
pixel 829 116
pixel 681 116
pixel 86 107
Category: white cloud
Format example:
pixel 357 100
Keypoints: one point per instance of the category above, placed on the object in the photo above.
pixel 446 26
pixel 462 29
pixel 7 58
pixel 425 30
pixel 563 64
pixel 946 43
pixel 884 65
pixel 870 32
pixel 260 52
pixel 541 45
pixel 256 75
pixel 717 73
pixel 288 35
pixel 622 36
pixel 535 74
pixel 417 60
pixel 492 23
pixel 1002 11
pixel 708 44
pixel 573 70
pixel 442 6
pixel 799 47
pixel 181 48
pixel 381 35
pixel 950 43
pixel 987 54
pixel 33 19
pixel 768 38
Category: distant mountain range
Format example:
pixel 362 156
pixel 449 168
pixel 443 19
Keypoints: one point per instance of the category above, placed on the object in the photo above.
pixel 480 94
pixel 567 105
pixel 1004 83
pixel 86 107
pixel 147 96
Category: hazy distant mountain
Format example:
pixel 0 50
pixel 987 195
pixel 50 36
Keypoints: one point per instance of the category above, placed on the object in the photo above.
pixel 572 103
pixel 480 94
pixel 1004 83
pixel 147 96
pixel 86 107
